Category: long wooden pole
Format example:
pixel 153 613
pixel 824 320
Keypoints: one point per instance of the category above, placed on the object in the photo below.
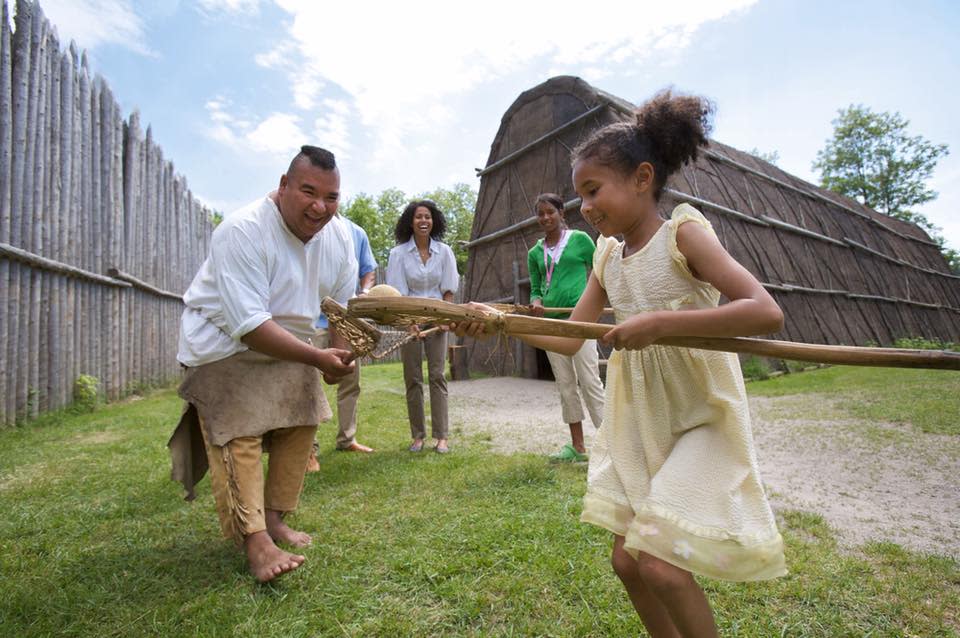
pixel 6 145
pixel 391 310
pixel 17 295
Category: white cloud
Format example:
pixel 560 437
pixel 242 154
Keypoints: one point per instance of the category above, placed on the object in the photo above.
pixel 276 135
pixel 411 57
pixel 249 7
pixel 331 130
pixel 92 23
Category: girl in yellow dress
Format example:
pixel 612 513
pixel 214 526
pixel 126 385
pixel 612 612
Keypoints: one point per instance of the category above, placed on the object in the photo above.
pixel 672 473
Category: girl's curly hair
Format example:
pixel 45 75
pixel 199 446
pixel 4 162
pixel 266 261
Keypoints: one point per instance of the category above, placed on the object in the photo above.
pixel 667 131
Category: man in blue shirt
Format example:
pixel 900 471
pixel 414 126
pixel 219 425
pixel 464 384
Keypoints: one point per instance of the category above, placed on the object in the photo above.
pixel 348 390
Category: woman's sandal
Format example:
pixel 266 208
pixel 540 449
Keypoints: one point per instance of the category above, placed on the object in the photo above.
pixel 416 446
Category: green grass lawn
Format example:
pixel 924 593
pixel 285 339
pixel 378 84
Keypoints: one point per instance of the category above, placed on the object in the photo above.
pixel 95 539
pixel 927 399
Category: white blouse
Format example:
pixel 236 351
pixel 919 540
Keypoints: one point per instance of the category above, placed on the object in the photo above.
pixel 407 273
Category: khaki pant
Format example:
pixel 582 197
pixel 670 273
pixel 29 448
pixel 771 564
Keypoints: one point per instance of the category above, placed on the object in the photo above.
pixel 435 347
pixel 576 375
pixel 236 477
pixel 348 394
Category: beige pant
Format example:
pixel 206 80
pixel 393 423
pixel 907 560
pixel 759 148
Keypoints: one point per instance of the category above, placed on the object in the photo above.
pixel 348 394
pixel 236 477
pixel 435 347
pixel 583 370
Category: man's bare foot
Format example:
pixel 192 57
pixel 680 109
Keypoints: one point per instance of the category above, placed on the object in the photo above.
pixel 312 464
pixel 356 447
pixel 280 532
pixel 266 560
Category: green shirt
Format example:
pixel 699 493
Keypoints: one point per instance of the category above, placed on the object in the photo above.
pixel 570 273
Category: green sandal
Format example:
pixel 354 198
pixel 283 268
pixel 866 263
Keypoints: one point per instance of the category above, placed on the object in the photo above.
pixel 568 454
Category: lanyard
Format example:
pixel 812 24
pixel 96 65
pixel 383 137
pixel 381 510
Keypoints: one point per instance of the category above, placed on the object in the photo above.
pixel 554 254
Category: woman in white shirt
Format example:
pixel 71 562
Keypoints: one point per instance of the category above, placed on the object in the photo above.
pixel 420 265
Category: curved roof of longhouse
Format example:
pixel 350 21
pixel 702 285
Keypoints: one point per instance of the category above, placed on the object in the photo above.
pixel 842 272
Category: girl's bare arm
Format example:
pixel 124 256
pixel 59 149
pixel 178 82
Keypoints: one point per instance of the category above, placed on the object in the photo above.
pixel 750 310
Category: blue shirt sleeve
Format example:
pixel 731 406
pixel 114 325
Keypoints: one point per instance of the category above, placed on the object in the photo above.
pixel 365 257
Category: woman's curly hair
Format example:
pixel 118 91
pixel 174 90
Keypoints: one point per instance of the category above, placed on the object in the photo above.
pixel 403 231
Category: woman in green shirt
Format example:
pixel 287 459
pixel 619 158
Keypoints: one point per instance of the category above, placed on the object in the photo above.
pixel 559 265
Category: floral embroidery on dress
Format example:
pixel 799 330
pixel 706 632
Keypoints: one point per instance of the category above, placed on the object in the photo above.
pixel 683 548
pixel 647 529
pixel 722 561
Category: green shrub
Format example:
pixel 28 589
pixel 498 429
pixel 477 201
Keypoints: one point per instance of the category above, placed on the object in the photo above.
pixel 755 368
pixel 86 393
pixel 922 343
pixel 796 366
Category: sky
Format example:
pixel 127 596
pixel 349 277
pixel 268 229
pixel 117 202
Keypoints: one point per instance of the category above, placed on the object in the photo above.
pixel 409 95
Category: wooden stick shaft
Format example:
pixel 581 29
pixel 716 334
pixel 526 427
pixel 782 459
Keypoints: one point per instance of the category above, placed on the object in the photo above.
pixel 606 311
pixel 403 308
pixel 817 353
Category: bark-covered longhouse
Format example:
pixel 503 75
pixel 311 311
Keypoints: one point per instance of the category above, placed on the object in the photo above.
pixel 842 272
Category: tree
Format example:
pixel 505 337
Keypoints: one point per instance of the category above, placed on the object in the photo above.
pixel 873 159
pixel 377 216
pixel 772 157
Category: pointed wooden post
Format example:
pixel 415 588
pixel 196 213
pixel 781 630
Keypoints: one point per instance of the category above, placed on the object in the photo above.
pixel 7 352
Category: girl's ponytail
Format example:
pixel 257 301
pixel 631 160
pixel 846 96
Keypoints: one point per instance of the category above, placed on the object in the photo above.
pixel 668 131
pixel 677 126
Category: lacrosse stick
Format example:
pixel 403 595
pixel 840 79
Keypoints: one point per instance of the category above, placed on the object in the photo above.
pixel 366 340
pixel 400 311
pixel 527 309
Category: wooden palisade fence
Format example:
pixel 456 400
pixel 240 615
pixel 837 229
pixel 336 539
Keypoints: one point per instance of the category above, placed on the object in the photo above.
pixel 98 235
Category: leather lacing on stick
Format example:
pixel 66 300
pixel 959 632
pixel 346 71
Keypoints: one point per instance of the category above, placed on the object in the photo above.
pixel 363 337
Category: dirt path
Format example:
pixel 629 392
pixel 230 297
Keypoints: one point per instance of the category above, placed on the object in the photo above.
pixel 870 481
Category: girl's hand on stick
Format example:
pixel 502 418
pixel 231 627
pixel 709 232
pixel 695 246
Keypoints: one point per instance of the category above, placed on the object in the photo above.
pixel 637 332
pixel 536 308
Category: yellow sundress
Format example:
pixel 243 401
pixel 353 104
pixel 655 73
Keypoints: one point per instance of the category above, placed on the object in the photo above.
pixel 673 468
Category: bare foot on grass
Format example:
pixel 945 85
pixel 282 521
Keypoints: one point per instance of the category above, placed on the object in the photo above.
pixel 267 561
pixel 280 532
pixel 313 465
